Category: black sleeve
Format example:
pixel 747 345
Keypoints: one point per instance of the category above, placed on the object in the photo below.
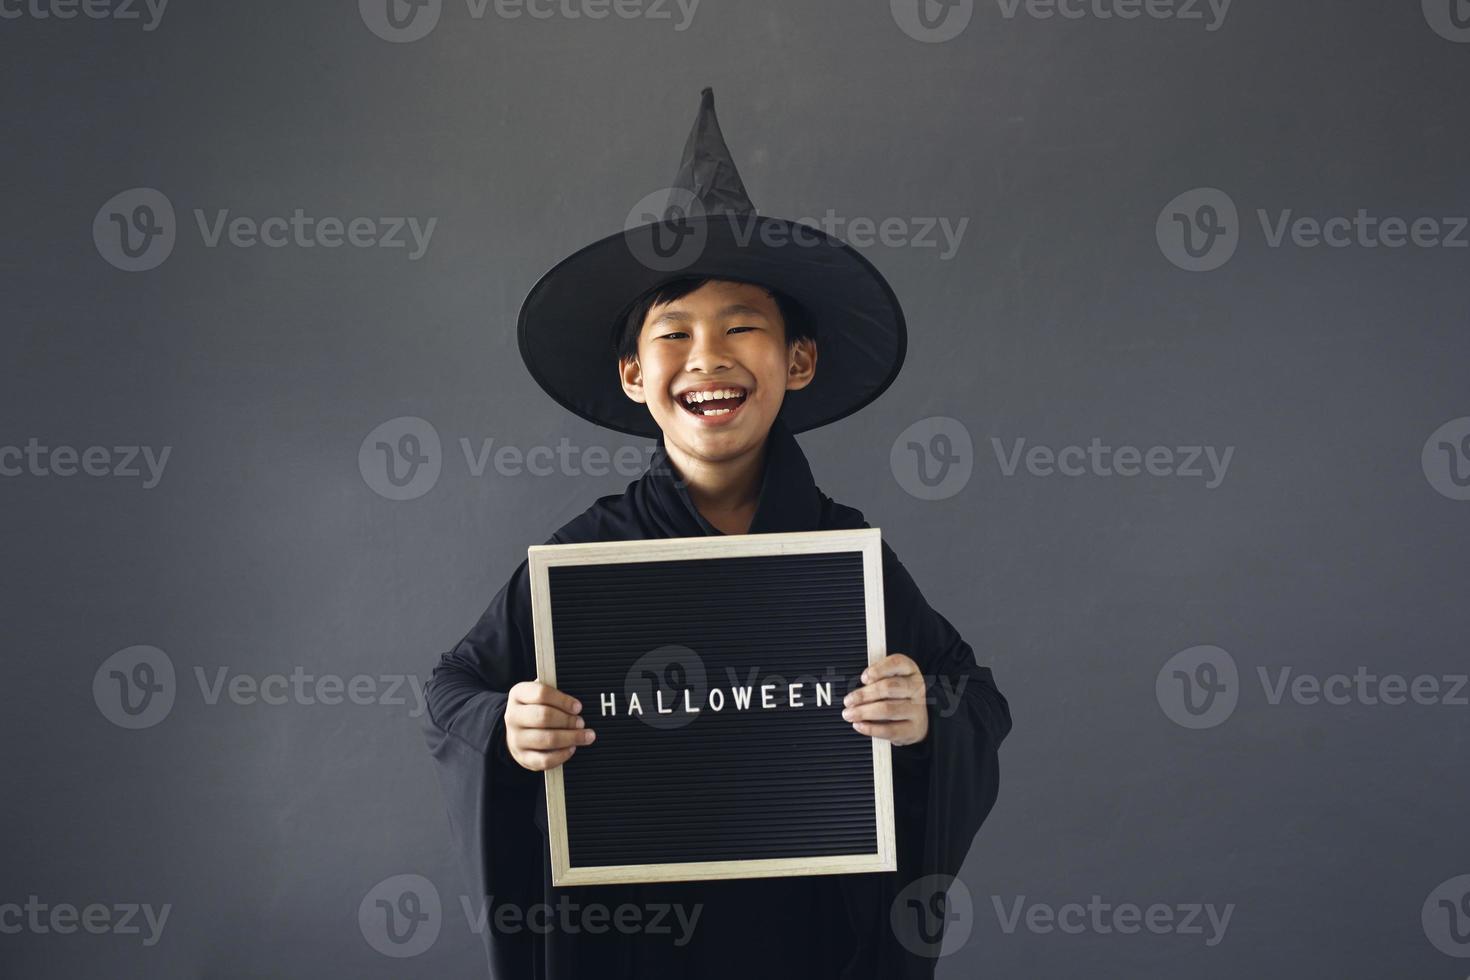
pixel 946 789
pixel 490 799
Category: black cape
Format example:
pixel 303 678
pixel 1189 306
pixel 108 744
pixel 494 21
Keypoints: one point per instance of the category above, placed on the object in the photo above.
pixel 816 926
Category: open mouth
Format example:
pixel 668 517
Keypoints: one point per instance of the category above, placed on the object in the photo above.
pixel 713 404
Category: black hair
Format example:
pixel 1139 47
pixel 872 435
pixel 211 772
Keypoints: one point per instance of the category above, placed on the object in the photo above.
pixel 629 324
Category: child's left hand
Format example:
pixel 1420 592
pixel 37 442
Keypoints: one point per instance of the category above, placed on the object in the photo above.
pixel 891 702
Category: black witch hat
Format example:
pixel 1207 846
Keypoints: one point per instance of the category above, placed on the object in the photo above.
pixel 571 319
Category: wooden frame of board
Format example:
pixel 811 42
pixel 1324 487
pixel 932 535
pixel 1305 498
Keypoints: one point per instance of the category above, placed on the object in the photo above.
pixel 866 542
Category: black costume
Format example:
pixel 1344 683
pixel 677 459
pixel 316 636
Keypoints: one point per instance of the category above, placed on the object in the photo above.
pixel 765 928
pixel 819 926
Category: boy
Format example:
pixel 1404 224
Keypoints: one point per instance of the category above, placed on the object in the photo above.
pixel 717 353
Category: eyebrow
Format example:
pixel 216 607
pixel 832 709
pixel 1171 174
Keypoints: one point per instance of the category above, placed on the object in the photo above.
pixel 730 310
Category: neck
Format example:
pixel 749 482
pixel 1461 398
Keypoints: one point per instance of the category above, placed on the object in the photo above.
pixel 725 491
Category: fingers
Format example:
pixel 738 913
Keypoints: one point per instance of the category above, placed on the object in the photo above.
pixel 895 677
pixel 886 710
pixel 891 704
pixel 549 739
pixel 541 761
pixel 897 732
pixel 541 716
pixel 543 726
pixel 893 665
pixel 534 692
pixel 900 688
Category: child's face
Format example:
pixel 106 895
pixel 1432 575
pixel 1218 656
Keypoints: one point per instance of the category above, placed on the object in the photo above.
pixel 722 335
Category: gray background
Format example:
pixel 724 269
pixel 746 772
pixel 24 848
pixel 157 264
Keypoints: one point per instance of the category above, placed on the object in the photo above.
pixel 265 549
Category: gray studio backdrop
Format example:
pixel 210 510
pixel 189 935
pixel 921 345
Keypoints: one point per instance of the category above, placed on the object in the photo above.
pixel 1182 447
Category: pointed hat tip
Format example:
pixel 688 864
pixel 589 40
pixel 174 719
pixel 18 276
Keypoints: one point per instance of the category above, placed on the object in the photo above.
pixel 706 169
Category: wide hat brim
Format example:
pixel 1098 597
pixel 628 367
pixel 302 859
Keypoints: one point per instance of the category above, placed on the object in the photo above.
pixel 570 319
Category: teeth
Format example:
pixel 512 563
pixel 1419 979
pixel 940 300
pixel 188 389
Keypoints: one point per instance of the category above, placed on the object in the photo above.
pixel 695 397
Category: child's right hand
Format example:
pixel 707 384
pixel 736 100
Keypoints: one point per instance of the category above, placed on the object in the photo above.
pixel 543 726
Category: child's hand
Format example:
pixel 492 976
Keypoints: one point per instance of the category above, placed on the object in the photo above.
pixel 891 704
pixel 543 726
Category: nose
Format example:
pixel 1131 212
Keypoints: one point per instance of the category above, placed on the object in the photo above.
pixel 708 351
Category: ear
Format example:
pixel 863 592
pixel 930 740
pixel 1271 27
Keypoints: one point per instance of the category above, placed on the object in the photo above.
pixel 801 364
pixel 630 375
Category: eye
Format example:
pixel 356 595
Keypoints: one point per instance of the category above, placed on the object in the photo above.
pixel 680 333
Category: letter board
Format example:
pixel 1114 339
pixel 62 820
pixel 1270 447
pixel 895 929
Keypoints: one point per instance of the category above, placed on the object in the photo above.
pixel 713 671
